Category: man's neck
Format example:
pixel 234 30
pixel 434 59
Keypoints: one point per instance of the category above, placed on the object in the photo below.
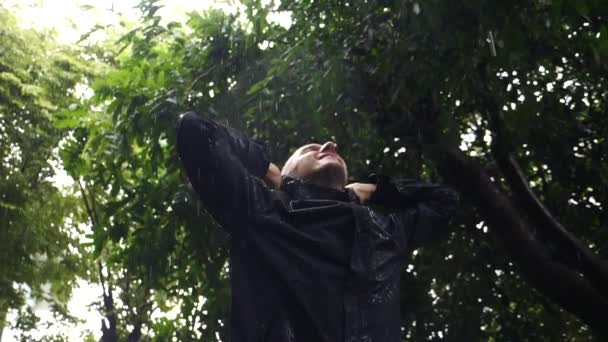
pixel 323 181
pixel 304 189
pixel 327 179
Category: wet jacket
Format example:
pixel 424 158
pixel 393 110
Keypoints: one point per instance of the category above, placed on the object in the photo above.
pixel 308 264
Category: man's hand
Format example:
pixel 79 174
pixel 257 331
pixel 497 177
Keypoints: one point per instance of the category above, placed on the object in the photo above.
pixel 273 176
pixel 363 191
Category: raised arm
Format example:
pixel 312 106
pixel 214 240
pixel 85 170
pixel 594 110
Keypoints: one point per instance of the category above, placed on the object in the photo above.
pixel 423 208
pixel 223 167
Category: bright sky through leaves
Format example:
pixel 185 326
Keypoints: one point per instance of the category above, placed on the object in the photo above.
pixel 72 18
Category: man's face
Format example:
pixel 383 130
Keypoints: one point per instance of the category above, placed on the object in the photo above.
pixel 321 164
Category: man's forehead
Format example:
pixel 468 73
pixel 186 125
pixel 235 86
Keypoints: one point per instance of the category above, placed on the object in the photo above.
pixel 299 150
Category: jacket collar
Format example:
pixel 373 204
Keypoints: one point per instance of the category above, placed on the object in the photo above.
pixel 301 190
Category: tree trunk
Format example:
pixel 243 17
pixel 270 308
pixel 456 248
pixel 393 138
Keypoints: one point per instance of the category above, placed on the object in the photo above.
pixel 135 334
pixel 566 287
pixel 108 331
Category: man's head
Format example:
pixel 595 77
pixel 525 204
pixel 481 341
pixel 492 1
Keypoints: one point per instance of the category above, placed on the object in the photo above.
pixel 318 164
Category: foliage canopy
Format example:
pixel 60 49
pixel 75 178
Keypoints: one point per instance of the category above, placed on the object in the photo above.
pixel 505 101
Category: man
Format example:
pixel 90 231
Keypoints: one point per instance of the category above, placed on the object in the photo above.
pixel 310 261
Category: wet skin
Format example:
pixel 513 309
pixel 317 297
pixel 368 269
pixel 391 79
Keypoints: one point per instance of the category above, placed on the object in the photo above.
pixel 320 164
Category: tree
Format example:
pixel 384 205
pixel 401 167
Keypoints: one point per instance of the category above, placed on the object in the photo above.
pixel 504 101
pixel 154 243
pixel 38 245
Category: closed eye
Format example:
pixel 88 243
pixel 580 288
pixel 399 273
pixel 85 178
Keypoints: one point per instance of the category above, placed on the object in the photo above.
pixel 311 147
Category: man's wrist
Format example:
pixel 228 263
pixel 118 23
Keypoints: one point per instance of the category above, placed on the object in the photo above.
pixel 273 176
pixel 363 191
pixel 385 192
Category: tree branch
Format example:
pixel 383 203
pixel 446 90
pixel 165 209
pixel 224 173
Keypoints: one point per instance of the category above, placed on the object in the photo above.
pixel 559 283
pixel 92 217
pixel 577 255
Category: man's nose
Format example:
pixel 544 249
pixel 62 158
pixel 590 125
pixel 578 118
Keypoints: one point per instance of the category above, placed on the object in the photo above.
pixel 329 146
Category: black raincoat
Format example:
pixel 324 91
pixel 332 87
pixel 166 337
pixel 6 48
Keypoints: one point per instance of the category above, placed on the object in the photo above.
pixel 308 264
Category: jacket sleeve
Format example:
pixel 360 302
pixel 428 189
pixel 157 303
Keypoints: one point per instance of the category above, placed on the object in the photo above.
pixel 423 208
pixel 223 167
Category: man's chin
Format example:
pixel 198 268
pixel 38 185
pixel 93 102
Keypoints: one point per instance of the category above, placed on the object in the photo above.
pixel 332 174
